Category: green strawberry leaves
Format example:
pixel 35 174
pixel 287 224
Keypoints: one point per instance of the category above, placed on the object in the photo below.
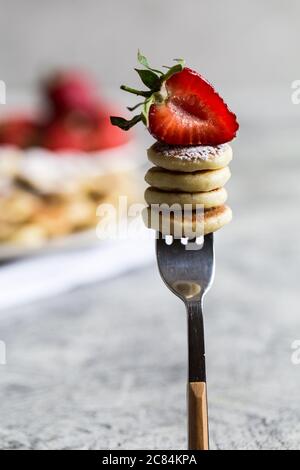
pixel 124 123
pixel 150 79
pixel 143 61
pixel 134 91
pixel 133 108
pixel 153 79
pixel 175 69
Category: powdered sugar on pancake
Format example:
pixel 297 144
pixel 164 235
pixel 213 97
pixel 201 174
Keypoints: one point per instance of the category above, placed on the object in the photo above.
pixel 191 153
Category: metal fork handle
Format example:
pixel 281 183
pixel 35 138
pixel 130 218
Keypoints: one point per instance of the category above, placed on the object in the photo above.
pixel 196 345
pixel 198 436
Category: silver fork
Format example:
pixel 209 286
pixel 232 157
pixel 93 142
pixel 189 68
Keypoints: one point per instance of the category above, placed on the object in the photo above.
pixel 188 272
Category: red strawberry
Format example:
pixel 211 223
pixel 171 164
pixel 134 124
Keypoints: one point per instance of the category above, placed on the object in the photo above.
pixel 71 133
pixel 59 136
pixel 180 108
pixel 105 135
pixel 21 131
pixel 72 91
pixel 192 113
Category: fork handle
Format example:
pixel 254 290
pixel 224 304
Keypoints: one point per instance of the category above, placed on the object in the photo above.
pixel 197 416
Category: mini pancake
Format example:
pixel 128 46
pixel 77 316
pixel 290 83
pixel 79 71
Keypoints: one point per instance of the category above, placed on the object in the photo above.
pixel 214 198
pixel 206 180
pixel 189 225
pixel 190 158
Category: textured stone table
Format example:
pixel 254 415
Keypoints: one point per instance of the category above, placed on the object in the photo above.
pixel 105 366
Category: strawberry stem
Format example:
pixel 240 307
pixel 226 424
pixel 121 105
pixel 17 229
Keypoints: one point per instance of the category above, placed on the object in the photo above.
pixel 154 80
pixel 143 61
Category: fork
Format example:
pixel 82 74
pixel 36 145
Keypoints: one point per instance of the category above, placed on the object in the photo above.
pixel 188 271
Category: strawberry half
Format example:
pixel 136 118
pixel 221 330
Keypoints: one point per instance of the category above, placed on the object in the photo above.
pixel 192 113
pixel 181 108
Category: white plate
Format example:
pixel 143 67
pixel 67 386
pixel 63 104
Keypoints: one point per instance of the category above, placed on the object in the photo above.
pixel 86 238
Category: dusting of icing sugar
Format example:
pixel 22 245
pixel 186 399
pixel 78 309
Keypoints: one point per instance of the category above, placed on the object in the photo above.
pixel 191 153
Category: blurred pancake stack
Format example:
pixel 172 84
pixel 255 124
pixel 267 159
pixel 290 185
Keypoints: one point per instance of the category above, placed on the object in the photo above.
pixel 59 163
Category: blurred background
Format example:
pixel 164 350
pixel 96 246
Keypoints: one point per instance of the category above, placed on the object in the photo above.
pixel 95 344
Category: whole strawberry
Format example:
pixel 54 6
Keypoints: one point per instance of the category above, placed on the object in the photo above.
pixel 60 135
pixel 105 136
pixel 180 107
pixel 20 131
pixel 71 91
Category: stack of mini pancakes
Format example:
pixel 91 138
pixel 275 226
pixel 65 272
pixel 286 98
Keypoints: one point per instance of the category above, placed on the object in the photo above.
pixel 191 177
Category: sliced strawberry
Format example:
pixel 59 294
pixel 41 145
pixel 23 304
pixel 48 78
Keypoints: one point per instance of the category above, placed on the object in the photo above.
pixel 192 113
pixel 180 107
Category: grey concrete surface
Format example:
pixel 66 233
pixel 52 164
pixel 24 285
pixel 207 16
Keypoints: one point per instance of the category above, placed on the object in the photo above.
pixel 105 366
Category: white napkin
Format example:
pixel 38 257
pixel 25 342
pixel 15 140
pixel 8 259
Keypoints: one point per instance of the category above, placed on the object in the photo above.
pixel 31 279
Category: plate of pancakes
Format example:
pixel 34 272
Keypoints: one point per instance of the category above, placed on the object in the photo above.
pixel 60 158
pixel 49 201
